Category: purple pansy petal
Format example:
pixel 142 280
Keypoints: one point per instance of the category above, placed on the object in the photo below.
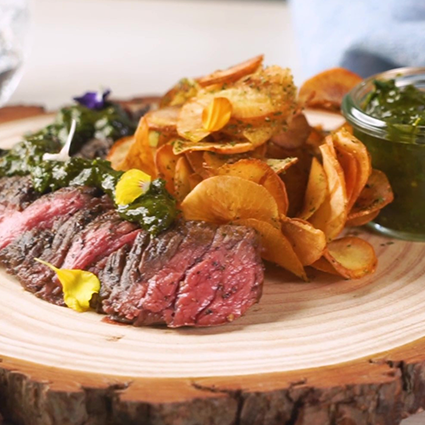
pixel 92 99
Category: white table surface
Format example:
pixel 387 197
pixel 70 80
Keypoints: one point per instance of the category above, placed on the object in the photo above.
pixel 143 47
pixel 137 46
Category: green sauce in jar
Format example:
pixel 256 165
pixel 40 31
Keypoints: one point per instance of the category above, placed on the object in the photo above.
pixel 387 113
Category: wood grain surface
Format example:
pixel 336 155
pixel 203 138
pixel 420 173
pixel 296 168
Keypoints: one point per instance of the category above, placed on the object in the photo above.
pixel 325 352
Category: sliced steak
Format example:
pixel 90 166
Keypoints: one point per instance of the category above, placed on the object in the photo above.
pixel 103 236
pixel 196 274
pixel 51 245
pixel 16 193
pixel 227 281
pixel 42 213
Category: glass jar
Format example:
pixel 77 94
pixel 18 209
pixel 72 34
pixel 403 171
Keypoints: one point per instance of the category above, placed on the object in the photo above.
pixel 14 29
pixel 399 154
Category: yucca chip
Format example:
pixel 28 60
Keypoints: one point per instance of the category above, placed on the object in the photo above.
pixel 275 247
pixel 327 89
pixel 221 199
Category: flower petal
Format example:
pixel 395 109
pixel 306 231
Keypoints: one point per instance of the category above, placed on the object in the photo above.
pixel 132 184
pixel 92 99
pixel 78 286
pixel 217 114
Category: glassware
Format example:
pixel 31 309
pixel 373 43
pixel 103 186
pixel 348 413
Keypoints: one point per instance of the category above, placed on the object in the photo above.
pixel 14 23
pixel 399 154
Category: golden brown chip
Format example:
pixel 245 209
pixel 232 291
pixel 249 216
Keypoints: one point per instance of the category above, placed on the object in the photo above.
pixel 196 161
pixel 316 191
pixel 327 89
pixel 232 74
pixel 332 214
pixel 361 220
pixel 182 182
pixel 119 151
pixel 259 172
pixel 140 154
pixel 355 161
pixel 296 179
pixel 164 119
pixel 225 147
pixel 222 199
pixel 295 135
pixel 275 247
pixel 350 257
pixel 281 165
pixel 165 163
pixel 308 242
pixel 375 195
pixel 184 90
pixel 189 124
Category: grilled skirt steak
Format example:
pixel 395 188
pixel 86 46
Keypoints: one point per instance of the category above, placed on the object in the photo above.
pixel 194 274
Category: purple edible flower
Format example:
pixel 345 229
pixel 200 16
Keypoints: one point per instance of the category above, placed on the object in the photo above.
pixel 93 99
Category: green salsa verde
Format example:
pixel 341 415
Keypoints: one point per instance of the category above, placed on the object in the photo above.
pixel 154 211
pixel 398 149
pixel 396 105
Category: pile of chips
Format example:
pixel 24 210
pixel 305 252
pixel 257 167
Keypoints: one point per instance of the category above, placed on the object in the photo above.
pixel 235 147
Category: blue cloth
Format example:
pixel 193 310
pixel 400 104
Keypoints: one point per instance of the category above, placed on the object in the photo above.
pixel 366 36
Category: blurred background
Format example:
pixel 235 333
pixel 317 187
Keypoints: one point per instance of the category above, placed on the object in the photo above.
pixel 144 46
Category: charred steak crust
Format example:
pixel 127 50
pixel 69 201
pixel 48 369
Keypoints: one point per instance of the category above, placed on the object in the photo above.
pixel 193 274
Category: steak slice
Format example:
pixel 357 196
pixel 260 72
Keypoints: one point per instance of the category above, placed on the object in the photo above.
pixel 51 245
pixel 186 275
pixel 42 213
pixel 104 235
pixel 194 274
pixel 227 281
pixel 16 193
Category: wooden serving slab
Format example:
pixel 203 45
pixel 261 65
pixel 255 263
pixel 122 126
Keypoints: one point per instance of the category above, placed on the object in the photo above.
pixel 320 353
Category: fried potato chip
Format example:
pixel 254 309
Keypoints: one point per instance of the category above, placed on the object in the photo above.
pixel 308 242
pixel 375 195
pixel 259 172
pixel 232 74
pixel 221 199
pixel 355 161
pixel 325 266
pixel 258 135
pixel 213 161
pixel 164 119
pixel 316 191
pixel 194 180
pixel 140 154
pixel 281 165
pixel 268 94
pixel 275 247
pixel 327 89
pixel 225 147
pixel 189 124
pixel 295 135
pixel 197 163
pixel 332 214
pixel 182 183
pixel 184 90
pixel 350 257
pixel 350 168
pixel 295 178
pixel 165 164
pixel 361 220
pixel 119 151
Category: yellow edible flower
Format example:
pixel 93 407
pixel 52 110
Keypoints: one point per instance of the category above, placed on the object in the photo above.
pixel 78 286
pixel 132 184
pixel 217 114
